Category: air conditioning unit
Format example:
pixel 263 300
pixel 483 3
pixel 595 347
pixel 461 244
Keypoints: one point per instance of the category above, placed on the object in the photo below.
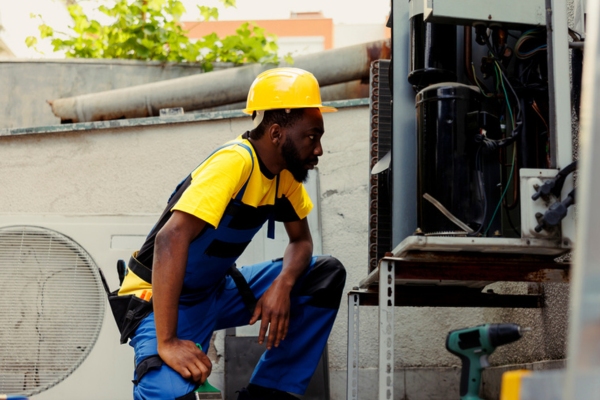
pixel 58 337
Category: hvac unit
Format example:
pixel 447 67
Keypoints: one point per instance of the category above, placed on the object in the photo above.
pixel 58 338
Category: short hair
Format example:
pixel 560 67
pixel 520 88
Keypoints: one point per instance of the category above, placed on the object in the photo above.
pixel 281 117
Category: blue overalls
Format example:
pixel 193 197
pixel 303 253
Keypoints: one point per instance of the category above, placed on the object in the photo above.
pixel 211 301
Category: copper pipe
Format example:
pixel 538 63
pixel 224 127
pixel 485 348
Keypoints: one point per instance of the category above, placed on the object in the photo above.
pixel 468 45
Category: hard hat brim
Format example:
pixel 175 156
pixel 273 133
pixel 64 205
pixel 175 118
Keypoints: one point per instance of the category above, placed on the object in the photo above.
pixel 323 109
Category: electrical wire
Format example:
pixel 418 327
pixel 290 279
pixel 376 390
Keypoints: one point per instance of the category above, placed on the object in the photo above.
pixel 477 82
pixel 512 169
pixel 516 121
pixel 512 89
pixel 515 166
pixel 481 188
pixel 512 225
pixel 536 108
pixel 499 77
pixel 535 35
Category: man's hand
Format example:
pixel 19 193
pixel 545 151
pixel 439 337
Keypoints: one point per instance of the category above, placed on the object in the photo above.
pixel 186 358
pixel 274 308
pixel 274 305
pixel 168 271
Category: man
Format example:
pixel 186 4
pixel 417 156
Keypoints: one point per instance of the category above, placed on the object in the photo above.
pixel 184 266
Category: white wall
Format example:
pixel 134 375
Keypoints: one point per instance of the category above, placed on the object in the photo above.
pixel 350 34
pixel 27 85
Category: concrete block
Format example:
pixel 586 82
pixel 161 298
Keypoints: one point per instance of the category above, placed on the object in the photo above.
pixel 368 384
pixel 432 383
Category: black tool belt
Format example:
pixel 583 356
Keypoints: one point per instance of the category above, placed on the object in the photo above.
pixel 130 310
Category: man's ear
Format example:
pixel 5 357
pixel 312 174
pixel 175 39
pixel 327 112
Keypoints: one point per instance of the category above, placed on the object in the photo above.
pixel 275 133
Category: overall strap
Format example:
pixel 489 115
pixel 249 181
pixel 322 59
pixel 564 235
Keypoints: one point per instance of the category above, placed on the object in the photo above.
pixel 271 223
pixel 243 189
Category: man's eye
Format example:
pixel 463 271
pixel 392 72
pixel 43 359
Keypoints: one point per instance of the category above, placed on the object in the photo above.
pixel 312 137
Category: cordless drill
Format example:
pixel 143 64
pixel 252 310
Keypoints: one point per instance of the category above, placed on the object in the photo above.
pixel 473 346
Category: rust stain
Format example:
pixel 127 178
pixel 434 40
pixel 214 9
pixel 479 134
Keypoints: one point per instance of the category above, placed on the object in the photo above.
pixel 548 275
pixel 378 51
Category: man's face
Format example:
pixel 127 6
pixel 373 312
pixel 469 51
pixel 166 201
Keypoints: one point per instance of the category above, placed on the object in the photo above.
pixel 302 146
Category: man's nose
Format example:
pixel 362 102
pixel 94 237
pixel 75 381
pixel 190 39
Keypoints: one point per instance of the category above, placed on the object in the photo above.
pixel 318 149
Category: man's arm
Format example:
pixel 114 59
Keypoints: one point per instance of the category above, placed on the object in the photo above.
pixel 168 270
pixel 274 305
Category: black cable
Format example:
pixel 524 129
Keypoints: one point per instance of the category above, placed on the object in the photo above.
pixel 481 189
pixel 555 184
pixel 517 232
pixel 491 144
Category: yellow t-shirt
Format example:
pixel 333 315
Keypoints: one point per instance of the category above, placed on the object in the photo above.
pixel 217 181
pixel 220 178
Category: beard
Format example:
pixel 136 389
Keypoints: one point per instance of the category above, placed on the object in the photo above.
pixel 293 162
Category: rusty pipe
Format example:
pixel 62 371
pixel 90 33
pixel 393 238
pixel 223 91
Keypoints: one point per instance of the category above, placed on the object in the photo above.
pixel 468 45
pixel 215 88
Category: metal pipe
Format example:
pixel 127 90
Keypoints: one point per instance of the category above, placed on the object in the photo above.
pixel 215 88
pixel 340 91
pixel 468 45
pixel 577 45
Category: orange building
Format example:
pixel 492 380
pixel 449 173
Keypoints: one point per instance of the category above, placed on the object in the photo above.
pixel 300 25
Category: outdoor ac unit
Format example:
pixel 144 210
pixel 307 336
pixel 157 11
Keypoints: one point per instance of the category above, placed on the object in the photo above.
pixel 58 337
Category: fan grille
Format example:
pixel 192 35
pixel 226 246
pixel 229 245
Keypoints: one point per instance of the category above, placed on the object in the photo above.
pixel 52 307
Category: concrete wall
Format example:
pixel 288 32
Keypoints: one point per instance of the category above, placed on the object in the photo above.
pixel 26 85
pixel 131 168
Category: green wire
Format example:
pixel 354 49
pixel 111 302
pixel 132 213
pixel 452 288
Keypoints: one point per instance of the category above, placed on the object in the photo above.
pixel 477 82
pixel 497 77
pixel 512 170
pixel 512 167
pixel 512 119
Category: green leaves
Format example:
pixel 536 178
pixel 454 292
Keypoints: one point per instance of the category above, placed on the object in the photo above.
pixel 228 3
pixel 31 41
pixel 208 12
pixel 151 30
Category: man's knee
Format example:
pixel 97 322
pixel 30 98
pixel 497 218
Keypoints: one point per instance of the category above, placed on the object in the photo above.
pixel 325 282
pixel 332 267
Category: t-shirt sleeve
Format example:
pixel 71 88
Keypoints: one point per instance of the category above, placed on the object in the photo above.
pixel 295 203
pixel 213 185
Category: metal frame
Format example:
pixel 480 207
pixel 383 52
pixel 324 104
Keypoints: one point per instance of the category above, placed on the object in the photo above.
pixel 559 91
pixel 353 340
pixel 386 330
pixel 387 288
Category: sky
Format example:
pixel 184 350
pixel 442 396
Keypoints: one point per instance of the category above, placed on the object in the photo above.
pixel 15 15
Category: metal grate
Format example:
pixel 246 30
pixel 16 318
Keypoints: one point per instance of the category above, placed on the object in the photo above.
pixel 380 214
pixel 51 308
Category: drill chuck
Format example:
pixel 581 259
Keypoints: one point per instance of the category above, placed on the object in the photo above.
pixel 501 334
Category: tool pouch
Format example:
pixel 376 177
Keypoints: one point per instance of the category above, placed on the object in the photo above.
pixel 129 310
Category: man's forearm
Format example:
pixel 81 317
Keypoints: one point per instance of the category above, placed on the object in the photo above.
pixel 168 272
pixel 295 260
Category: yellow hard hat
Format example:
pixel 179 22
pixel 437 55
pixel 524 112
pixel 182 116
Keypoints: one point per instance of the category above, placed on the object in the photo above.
pixel 285 88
